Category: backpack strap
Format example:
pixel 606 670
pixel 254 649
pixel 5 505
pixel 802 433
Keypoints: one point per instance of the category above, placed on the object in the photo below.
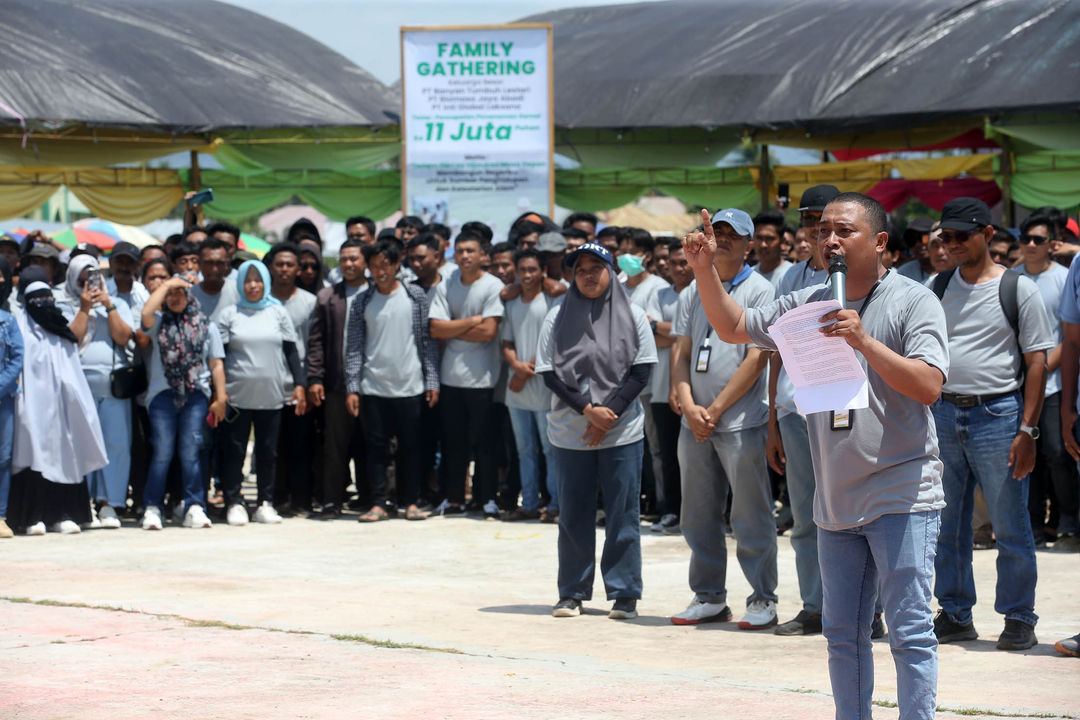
pixel 1010 305
pixel 942 281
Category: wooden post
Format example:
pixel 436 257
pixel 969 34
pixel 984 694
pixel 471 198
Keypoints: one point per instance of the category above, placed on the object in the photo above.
pixel 196 184
pixel 1008 207
pixel 765 179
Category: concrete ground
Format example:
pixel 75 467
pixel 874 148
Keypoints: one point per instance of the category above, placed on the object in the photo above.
pixel 446 618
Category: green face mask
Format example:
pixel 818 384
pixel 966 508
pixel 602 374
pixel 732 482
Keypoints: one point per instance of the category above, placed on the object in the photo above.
pixel 631 265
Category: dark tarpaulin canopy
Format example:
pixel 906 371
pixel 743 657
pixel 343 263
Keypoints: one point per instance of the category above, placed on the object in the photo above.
pixel 814 65
pixel 177 67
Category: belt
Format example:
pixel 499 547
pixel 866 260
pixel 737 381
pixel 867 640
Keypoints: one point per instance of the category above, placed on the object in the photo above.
pixel 966 401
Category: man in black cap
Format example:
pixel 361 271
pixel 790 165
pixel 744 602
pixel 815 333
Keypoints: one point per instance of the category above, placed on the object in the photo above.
pixel 917 240
pixel 123 262
pixel 987 423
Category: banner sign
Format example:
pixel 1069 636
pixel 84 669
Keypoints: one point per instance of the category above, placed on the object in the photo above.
pixel 477 123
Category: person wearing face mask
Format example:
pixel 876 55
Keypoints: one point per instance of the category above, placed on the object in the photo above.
pixel 596 352
pixel 11 360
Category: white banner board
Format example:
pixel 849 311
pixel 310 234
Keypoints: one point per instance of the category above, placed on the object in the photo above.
pixel 477 124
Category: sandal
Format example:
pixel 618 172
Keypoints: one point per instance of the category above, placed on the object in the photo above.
pixel 415 514
pixel 375 514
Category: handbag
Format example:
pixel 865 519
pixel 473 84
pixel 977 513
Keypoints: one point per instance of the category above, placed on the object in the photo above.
pixel 127 382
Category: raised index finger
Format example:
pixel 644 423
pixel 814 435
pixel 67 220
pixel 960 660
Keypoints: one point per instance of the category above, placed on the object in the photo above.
pixel 706 221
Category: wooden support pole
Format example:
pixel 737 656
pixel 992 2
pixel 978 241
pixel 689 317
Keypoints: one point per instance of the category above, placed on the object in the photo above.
pixel 1008 207
pixel 765 179
pixel 196 184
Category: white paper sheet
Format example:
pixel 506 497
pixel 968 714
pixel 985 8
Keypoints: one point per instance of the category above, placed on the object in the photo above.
pixel 824 370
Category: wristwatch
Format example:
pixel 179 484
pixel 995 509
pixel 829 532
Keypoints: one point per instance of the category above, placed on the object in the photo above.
pixel 653 324
pixel 1032 431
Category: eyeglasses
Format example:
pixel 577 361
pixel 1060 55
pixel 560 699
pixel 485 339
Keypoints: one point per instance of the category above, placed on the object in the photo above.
pixel 1037 239
pixel 309 266
pixel 955 236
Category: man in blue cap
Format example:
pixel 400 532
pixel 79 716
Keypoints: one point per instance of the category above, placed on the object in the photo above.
pixel 721 388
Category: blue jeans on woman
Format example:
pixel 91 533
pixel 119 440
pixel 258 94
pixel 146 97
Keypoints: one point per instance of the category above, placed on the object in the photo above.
pixel 529 426
pixel 180 429
pixel 975 446
pixel 616 472
pixel 110 483
pixel 7 436
pixel 898 549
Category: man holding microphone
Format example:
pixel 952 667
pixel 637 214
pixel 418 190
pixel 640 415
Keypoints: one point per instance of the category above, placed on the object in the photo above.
pixel 877 504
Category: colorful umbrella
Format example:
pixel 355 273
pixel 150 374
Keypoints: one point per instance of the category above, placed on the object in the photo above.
pixel 253 244
pixel 72 236
pixel 135 236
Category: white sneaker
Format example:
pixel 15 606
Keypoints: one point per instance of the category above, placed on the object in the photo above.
pixel 267 514
pixel 237 515
pixel 37 528
pixel 151 519
pixel 95 521
pixel 760 614
pixel 178 514
pixel 195 517
pixel 699 611
pixel 66 527
pixel 108 517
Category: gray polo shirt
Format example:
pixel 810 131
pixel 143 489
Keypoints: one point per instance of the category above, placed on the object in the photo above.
pixel 660 382
pixel 752 409
pixel 888 461
pixel 982 345
pixel 214 305
pixel 467 364
pixel 565 426
pixel 300 308
pixel 1051 284
pixel 777 273
pixel 522 328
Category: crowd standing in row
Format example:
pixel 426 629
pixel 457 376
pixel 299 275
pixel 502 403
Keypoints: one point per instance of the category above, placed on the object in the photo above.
pixel 591 345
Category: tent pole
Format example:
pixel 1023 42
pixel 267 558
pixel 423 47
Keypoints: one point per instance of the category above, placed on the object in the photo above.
pixel 196 184
pixel 1008 208
pixel 765 179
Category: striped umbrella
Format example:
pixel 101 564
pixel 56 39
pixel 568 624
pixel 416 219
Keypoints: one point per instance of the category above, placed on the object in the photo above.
pixel 135 236
pixel 253 244
pixel 72 236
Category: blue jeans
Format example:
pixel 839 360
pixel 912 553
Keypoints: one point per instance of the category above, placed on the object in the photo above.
pixel 7 436
pixel 528 426
pixel 900 549
pixel 181 429
pixel 799 474
pixel 616 472
pixel 110 483
pixel 974 446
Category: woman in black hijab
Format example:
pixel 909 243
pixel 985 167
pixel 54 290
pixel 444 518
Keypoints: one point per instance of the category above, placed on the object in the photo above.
pixel 596 352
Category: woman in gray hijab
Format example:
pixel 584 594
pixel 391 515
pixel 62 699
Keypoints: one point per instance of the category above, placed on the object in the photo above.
pixel 596 353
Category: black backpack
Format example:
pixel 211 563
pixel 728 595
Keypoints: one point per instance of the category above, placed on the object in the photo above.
pixel 1006 296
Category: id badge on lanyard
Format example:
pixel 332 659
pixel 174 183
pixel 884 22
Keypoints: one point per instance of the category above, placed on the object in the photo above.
pixel 703 354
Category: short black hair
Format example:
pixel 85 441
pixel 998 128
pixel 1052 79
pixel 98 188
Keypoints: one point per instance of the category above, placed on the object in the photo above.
pixel 351 243
pixel 153 246
pixel 183 249
pixel 465 236
pixel 411 221
pixel 674 244
pixel 580 217
pixel 277 249
pixel 478 228
pixel 225 228
pixel 573 232
pixel 1057 219
pixel 386 234
pixel 642 239
pixel 1003 235
pixel 212 243
pixel 425 238
pixel 156 261
pixel 875 211
pixel 525 254
pixel 361 220
pixel 770 217
pixel 188 230
pixel 610 231
pixel 1034 219
pixel 523 228
pixel 502 247
pixel 389 249
pixel 438 229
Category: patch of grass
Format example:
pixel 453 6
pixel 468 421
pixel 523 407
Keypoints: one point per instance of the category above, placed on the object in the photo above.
pixel 392 645
pixel 967 712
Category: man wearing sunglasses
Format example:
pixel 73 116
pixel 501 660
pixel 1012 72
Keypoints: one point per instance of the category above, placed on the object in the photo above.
pixel 987 424
pixel 1055 472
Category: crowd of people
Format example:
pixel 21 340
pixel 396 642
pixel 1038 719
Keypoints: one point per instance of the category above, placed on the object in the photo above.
pixel 572 373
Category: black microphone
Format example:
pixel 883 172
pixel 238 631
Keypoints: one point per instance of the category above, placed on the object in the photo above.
pixel 838 276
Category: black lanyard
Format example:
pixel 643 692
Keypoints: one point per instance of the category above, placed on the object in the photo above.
pixel 871 293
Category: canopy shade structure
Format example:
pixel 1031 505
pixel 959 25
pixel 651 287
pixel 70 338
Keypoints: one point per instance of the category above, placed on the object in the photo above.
pixel 189 67
pixel 815 65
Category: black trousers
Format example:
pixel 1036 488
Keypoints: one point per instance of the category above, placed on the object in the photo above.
pixel 385 418
pixel 267 424
pixel 343 440
pixel 140 452
pixel 433 486
pixel 468 420
pixel 293 476
pixel 507 459
pixel 667 430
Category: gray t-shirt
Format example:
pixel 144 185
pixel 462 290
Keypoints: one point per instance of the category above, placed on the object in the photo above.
pixel 660 382
pixel 566 426
pixel 888 461
pixel 467 364
pixel 913 269
pixel 752 409
pixel 798 277
pixel 982 345
pixel 212 348
pixel 777 273
pixel 214 305
pixel 391 360
pixel 1051 284
pixel 300 308
pixel 644 295
pixel 255 371
pixel 521 327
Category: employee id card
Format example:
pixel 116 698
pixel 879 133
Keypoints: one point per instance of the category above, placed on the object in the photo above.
pixel 842 419
pixel 703 354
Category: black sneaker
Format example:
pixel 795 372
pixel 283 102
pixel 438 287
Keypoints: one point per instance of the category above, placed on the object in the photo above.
pixel 877 627
pixel 623 609
pixel 328 512
pixel 566 607
pixel 805 623
pixel 1017 635
pixel 948 630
